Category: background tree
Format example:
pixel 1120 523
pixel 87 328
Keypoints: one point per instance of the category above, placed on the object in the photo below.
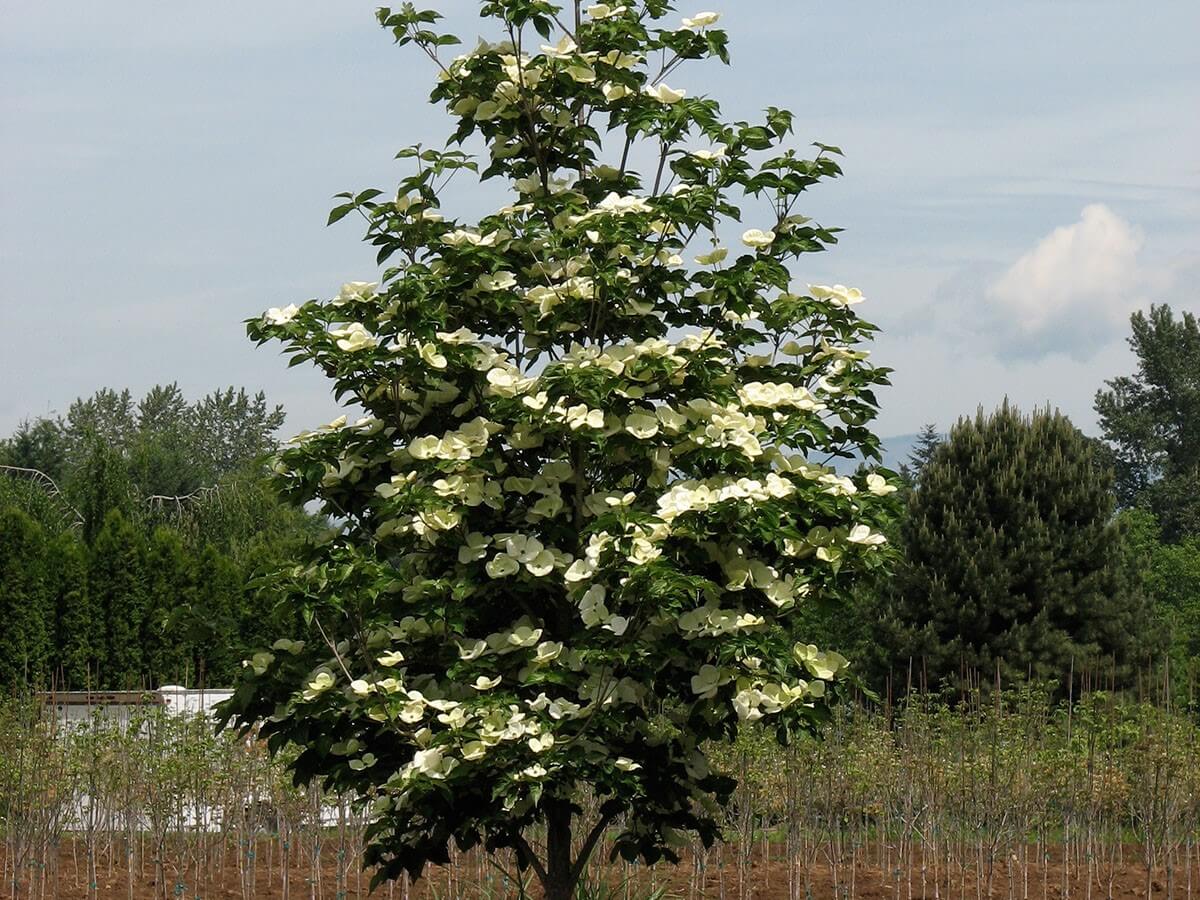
pixel 40 498
pixel 36 444
pixel 116 578
pixel 1151 421
pixel 171 581
pixel 161 460
pixel 102 485
pixel 1012 557
pixel 26 613
pixel 79 627
pixel 216 650
pixel 162 451
pixel 577 516
pixel 1170 577
pixel 922 452
pixel 188 478
pixel 232 428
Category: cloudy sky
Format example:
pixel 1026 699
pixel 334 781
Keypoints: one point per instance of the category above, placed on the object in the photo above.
pixel 1019 177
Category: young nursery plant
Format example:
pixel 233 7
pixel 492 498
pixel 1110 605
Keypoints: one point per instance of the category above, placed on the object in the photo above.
pixel 588 488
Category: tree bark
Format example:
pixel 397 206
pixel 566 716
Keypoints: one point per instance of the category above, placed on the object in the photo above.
pixel 560 873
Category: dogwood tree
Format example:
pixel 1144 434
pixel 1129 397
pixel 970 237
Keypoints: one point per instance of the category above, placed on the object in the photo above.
pixel 584 488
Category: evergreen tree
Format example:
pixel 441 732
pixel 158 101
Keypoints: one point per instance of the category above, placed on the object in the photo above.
pixel 258 620
pixel 217 648
pixel 25 628
pixel 927 443
pixel 170 582
pixel 920 455
pixel 1012 557
pixel 116 575
pixel 79 630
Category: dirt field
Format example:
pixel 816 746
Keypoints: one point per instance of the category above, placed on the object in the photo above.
pixel 259 875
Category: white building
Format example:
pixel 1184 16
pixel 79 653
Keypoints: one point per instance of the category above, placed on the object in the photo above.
pixel 76 707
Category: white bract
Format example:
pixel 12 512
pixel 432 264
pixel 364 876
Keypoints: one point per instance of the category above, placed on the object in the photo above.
pixel 664 94
pixel 838 295
pixel 879 486
pixel 600 11
pixel 701 20
pixel 354 337
pixel 758 239
pixel 277 316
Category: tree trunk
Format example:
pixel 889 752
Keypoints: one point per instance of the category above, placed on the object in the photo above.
pixel 560 875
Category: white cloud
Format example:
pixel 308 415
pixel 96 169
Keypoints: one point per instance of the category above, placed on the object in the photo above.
pixel 1072 293
pixel 1088 271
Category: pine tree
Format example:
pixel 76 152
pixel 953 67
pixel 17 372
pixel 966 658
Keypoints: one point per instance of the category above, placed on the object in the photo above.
pixel 116 575
pixel 79 630
pixel 1012 558
pixel 927 443
pixel 922 452
pixel 24 602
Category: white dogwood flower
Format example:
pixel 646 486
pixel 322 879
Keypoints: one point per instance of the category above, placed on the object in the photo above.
pixel 664 94
pixel 599 11
pixel 879 486
pixel 502 566
pixel 354 337
pixel 433 764
pixel 564 49
pixel 277 316
pixel 321 682
pixel 355 292
pixel 758 239
pixel 838 294
pixel 614 92
pixel 712 258
pixel 641 425
pixel 702 20
pixel 862 534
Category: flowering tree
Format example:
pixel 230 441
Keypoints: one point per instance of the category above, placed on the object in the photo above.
pixel 588 490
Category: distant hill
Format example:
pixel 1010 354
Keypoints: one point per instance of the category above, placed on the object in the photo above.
pixel 896 449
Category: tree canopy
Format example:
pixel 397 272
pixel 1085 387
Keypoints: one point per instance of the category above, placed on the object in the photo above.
pixel 140 524
pixel 587 493
pixel 160 460
pixel 1151 421
pixel 1012 558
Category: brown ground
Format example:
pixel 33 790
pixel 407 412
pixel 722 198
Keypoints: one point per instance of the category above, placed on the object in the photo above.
pixel 718 881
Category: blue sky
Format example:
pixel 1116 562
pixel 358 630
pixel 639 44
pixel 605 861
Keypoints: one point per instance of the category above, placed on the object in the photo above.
pixel 1019 177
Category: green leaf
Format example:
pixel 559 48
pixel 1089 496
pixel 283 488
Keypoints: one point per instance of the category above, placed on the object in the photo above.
pixel 339 212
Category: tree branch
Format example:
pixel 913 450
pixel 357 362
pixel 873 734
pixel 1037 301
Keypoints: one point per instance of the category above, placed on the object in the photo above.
pixel 527 852
pixel 585 852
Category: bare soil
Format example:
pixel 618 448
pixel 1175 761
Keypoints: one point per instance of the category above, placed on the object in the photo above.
pixel 716 877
